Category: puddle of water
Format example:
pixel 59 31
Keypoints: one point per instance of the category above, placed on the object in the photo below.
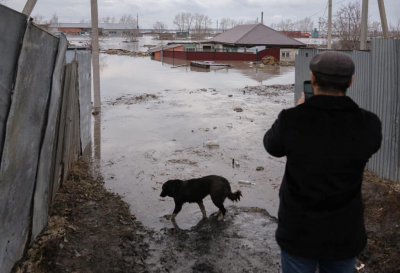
pixel 140 146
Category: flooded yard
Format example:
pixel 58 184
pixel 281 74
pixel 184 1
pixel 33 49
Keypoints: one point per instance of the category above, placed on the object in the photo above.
pixel 145 140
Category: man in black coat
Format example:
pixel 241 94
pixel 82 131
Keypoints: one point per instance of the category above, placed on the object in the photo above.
pixel 327 140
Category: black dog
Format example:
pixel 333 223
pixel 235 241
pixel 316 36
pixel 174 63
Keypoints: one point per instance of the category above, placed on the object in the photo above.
pixel 195 190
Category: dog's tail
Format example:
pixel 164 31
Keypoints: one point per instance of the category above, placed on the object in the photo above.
pixel 235 196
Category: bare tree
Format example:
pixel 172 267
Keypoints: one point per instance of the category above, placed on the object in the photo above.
pixel 207 25
pixel 179 21
pixel 188 18
pixel 160 27
pixel 127 19
pixel 284 25
pixel 305 25
pixel 183 21
pixel 394 29
pixel 198 31
pixel 248 22
pixel 374 29
pixel 39 19
pixel 346 25
pixel 54 18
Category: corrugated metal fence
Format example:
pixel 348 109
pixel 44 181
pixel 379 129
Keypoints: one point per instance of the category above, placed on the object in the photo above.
pixel 44 126
pixel 376 88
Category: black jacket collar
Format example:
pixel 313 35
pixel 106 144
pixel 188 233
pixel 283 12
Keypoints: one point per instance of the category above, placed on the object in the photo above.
pixel 331 102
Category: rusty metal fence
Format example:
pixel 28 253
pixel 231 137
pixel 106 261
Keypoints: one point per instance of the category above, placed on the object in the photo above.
pixel 44 127
pixel 376 88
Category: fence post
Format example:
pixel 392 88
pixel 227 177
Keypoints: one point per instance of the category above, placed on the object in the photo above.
pixel 227 54
pixel 256 54
pixel 173 53
pixel 215 54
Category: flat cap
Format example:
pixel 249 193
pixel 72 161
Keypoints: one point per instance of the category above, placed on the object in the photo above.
pixel 332 65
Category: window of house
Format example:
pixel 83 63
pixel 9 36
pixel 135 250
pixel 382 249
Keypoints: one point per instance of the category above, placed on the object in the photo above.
pixel 190 49
pixel 285 54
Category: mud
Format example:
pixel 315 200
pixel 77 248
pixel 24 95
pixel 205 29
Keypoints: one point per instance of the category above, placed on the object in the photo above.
pixel 131 99
pixel 243 242
pixel 90 230
pixel 382 220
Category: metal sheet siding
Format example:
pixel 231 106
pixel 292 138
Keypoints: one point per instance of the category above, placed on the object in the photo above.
pixel 375 88
pixel 12 27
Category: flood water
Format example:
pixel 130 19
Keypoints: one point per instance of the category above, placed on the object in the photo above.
pixel 136 75
pixel 140 145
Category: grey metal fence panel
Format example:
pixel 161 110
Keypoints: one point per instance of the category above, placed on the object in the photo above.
pixel 84 79
pixel 48 151
pixel 68 144
pixel 58 168
pixel 70 55
pixel 384 101
pixel 12 27
pixel 24 131
pixel 359 91
pixel 376 88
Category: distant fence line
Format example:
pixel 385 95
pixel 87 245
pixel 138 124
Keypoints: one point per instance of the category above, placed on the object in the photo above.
pixel 376 88
pixel 45 112
pixel 221 55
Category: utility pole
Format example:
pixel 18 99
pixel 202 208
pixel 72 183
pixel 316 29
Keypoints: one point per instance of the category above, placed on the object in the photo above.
pixel 30 4
pixel 330 24
pixel 262 17
pixel 95 56
pixel 384 24
pixel 364 25
pixel 217 26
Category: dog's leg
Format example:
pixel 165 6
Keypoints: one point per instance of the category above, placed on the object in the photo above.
pixel 219 203
pixel 216 214
pixel 178 207
pixel 203 209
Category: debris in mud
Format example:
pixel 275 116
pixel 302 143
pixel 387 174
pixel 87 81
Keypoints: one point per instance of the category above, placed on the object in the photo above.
pixel 238 109
pixel 131 99
pixel 89 230
pixel 211 143
pixel 382 223
pixel 259 168
pixel 275 93
pixel 243 242
pixel 182 161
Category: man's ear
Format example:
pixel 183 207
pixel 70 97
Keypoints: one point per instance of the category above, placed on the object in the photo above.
pixel 351 82
pixel 313 81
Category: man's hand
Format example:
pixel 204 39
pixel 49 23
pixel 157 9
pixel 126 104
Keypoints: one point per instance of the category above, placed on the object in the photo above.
pixel 302 99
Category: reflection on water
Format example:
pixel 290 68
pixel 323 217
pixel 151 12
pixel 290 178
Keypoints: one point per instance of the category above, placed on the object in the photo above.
pixel 121 42
pixel 96 144
pixel 137 75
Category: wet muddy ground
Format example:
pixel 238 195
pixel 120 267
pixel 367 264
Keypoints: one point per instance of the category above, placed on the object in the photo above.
pixel 148 139
pixel 92 230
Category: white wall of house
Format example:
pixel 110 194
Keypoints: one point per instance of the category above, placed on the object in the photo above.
pixel 288 54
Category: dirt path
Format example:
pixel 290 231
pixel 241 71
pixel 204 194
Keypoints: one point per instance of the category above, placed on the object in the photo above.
pixel 90 230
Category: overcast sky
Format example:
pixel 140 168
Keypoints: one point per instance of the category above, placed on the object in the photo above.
pixel 164 10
